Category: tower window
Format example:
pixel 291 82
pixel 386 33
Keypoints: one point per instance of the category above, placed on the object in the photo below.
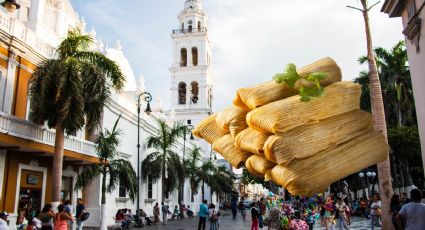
pixel 182 93
pixel 182 26
pixel 183 57
pixel 195 92
pixel 190 29
pixel 199 26
pixel 194 56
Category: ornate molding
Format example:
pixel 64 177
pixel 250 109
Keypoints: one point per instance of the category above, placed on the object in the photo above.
pixel 150 201
pixel 413 32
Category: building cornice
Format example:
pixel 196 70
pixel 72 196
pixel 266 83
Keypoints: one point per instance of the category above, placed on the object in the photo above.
pixel 393 8
pixel 186 69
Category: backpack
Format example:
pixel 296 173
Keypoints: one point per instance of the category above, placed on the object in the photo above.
pixel 84 216
pixel 214 216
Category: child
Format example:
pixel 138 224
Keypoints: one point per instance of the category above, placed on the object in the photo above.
pixel 254 215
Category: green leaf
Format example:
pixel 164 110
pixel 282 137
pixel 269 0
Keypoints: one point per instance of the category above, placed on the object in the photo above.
pixel 308 93
pixel 316 77
pixel 290 76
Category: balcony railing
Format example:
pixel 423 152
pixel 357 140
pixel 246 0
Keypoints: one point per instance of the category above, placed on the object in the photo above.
pixel 16 28
pixel 17 127
pixel 188 31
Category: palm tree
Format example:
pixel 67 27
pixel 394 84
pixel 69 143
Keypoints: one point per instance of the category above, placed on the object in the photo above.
pixel 378 115
pixel 111 167
pixel 222 181
pixel 164 163
pixel 192 169
pixel 69 92
pixel 206 175
pixel 396 84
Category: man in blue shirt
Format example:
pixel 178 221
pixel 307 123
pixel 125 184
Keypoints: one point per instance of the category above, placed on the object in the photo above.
pixel 203 213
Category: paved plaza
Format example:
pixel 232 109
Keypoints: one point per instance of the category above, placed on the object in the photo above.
pixel 227 223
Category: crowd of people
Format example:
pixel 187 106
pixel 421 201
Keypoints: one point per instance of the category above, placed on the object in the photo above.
pixel 48 219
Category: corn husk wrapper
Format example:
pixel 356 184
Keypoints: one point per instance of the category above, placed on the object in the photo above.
pixel 225 146
pixel 252 141
pixel 232 119
pixel 209 130
pixel 304 141
pixel 253 97
pixel 280 116
pixel 316 173
pixel 259 165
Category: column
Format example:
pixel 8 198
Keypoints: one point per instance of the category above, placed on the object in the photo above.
pixel 9 82
pixel 60 21
pixel 36 13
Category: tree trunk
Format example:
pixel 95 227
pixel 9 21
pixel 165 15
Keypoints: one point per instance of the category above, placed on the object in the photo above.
pixel 400 170
pixel 57 165
pixel 103 203
pixel 163 178
pixel 203 192
pixel 378 115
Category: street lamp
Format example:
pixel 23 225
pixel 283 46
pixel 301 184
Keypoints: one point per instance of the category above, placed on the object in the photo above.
pixel 10 5
pixel 371 175
pixel 188 127
pixel 148 98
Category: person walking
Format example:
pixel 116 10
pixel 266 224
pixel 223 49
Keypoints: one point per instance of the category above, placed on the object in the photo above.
pixel 341 207
pixel 234 207
pixel 254 216
pixel 395 207
pixel 348 210
pixel 363 207
pixel 46 217
pixel 165 211
pixel 62 218
pixel 213 216
pixel 329 217
pixel 375 212
pixel 261 212
pixel 203 214
pixel 156 213
pixel 413 213
pixel 80 209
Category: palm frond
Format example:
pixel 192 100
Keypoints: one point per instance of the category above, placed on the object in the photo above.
pixel 87 175
pixel 105 66
pixel 74 43
pixel 152 167
pixel 122 171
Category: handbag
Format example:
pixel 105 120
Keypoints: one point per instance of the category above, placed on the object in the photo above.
pixel 84 216
pixel 378 211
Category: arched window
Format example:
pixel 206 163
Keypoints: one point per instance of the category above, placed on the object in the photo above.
pixel 199 26
pixel 182 93
pixel 194 56
pixel 183 57
pixel 190 29
pixel 182 26
pixel 195 92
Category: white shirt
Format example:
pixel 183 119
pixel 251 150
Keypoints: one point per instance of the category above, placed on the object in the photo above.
pixel 3 224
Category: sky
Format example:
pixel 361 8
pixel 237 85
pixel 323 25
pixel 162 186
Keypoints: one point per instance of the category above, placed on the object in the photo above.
pixel 252 39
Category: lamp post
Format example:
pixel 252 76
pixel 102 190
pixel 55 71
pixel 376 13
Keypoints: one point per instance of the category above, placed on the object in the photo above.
pixel 10 5
pixel 189 127
pixel 148 98
pixel 371 175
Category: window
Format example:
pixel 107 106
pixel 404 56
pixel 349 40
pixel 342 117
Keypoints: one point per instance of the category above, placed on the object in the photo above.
pixel 195 92
pixel 121 190
pixel 190 29
pixel 411 9
pixel 150 187
pixel 182 26
pixel 183 57
pixel 195 56
pixel 199 26
pixel 182 93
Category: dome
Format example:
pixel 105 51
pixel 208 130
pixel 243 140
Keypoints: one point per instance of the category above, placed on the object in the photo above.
pixel 192 4
pixel 116 54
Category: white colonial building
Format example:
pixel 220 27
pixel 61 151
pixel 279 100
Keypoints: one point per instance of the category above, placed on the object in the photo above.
pixel 30 35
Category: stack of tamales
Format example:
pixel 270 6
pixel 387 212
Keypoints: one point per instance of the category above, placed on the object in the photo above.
pixel 303 146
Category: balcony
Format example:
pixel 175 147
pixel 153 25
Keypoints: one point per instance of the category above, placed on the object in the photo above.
pixel 17 127
pixel 190 31
pixel 17 29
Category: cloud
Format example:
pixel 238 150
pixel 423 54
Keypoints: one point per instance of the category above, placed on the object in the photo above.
pixel 252 39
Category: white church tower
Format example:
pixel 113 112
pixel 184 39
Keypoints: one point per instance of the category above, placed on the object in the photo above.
pixel 191 85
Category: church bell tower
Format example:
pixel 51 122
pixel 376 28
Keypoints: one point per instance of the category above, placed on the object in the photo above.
pixel 191 83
